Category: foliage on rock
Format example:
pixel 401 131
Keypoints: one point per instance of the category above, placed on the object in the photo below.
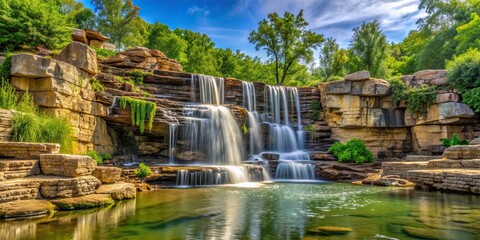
pixel 353 150
pixel 463 74
pixel 137 76
pixel 140 111
pixel 104 53
pixel 315 110
pixel 25 24
pixel 399 90
pixel 419 98
pixel 97 86
pixel 143 171
pixel 448 142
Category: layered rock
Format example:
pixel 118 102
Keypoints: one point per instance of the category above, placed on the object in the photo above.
pixel 5 125
pixel 107 174
pixel 67 165
pixel 144 58
pixel 361 107
pixel 22 150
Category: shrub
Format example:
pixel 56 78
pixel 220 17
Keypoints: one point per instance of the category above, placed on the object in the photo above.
pixel 32 23
pixel 311 129
pixel 96 156
pixel 105 53
pixel 137 76
pixel 447 142
pixel 106 156
pixel 353 150
pixel 399 90
pixel 420 98
pixel 143 171
pixel 244 129
pixel 472 98
pixel 5 67
pixel 35 127
pixel 140 110
pixel 463 72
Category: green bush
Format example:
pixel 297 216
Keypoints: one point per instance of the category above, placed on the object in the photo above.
pixel 143 171
pixel 137 76
pixel 353 150
pixel 35 127
pixel 106 156
pixel 140 110
pixel 5 67
pixel 420 98
pixel 96 156
pixel 463 72
pixel 447 142
pixel 32 23
pixel 472 98
pixel 399 90
pixel 105 53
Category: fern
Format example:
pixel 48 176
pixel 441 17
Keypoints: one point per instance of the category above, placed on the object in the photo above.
pixel 140 111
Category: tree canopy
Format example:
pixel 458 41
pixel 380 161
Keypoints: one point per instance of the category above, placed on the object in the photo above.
pixel 286 41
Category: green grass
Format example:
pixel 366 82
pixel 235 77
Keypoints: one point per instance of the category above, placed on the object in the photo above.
pixel 38 127
pixel 105 53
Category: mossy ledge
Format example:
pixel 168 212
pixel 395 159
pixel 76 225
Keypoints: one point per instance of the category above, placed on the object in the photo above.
pixel 140 110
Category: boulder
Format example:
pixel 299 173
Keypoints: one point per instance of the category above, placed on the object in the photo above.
pixel 475 141
pixel 118 191
pixel 80 56
pixel 462 152
pixel 92 34
pixel 428 75
pixel 447 97
pixel 439 82
pixel 25 208
pixel 454 109
pixel 139 52
pixel 358 76
pixel 83 202
pixel 19 189
pixel 338 87
pixel 18 168
pixel 67 165
pixel 107 174
pixel 53 187
pixel 372 87
pixel 79 35
pixel 32 66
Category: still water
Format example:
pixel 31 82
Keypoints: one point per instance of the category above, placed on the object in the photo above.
pixel 265 211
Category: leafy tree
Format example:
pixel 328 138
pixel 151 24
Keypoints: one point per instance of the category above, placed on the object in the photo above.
pixel 32 23
pixel 85 19
pixel 200 52
pixel 327 57
pixel 287 42
pixel 468 35
pixel 163 39
pixel 137 33
pixel 369 49
pixel 440 48
pixel 115 19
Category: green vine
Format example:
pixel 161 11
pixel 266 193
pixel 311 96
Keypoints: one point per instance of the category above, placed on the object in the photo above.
pixel 140 110
pixel 311 129
pixel 315 107
pixel 399 90
pixel 419 98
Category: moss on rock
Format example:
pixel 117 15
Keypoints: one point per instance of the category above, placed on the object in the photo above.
pixel 83 202
pixel 25 208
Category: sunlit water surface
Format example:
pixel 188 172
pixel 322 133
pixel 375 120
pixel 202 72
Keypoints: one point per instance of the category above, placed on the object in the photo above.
pixel 265 211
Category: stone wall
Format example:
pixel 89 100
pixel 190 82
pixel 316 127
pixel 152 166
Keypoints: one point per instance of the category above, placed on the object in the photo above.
pixel 361 107
pixel 5 125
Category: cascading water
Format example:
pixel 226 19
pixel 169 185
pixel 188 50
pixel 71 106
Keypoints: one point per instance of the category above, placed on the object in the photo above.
pixel 250 103
pixel 295 170
pixel 213 176
pixel 172 139
pixel 282 138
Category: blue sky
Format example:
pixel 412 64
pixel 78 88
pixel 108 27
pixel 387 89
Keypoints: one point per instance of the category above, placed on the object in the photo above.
pixel 228 22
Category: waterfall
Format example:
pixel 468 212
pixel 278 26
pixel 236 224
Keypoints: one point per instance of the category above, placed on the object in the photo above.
pixel 214 131
pixel 210 88
pixel 212 176
pixel 172 127
pixel 295 170
pixel 250 103
pixel 282 138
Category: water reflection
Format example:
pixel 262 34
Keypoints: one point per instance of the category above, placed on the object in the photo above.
pixel 271 211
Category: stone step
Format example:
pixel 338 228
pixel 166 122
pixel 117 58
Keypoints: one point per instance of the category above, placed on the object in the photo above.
pixel 67 165
pixel 462 152
pixel 23 150
pixel 445 163
pixel 420 158
pixel 461 180
pixel 400 168
pixel 18 168
pixel 19 189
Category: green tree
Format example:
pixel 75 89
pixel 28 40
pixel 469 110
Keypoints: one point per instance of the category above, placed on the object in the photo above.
pixel 200 52
pixel 85 19
pixel 327 57
pixel 468 35
pixel 115 19
pixel 163 39
pixel 369 49
pixel 32 23
pixel 287 42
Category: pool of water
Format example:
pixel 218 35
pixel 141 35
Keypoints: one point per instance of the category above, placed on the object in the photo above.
pixel 265 211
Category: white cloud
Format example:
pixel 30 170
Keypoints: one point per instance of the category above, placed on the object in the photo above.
pixel 338 18
pixel 196 10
